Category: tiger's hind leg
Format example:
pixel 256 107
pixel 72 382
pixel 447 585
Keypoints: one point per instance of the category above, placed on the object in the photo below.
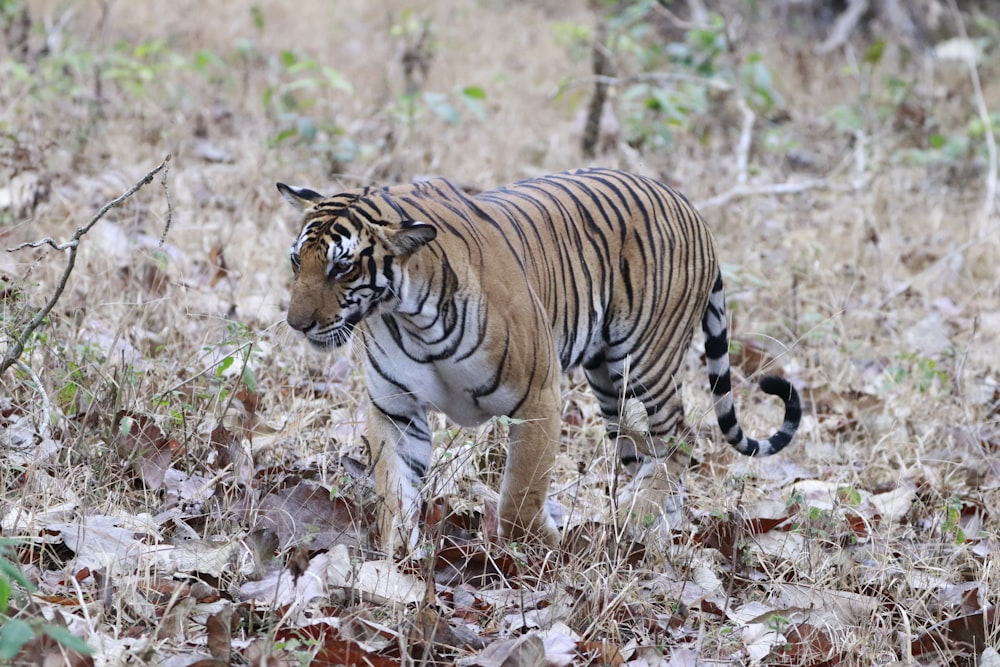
pixel 642 426
pixel 647 428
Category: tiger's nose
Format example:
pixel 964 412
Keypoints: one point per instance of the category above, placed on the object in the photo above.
pixel 300 323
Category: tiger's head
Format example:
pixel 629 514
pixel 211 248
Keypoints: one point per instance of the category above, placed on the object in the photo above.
pixel 346 261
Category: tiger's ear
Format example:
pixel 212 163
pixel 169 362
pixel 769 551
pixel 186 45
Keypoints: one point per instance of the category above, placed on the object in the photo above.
pixel 300 198
pixel 409 237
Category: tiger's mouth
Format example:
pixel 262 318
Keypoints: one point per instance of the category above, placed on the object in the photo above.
pixel 330 338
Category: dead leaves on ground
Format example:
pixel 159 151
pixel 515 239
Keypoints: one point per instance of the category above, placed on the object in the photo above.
pixel 253 564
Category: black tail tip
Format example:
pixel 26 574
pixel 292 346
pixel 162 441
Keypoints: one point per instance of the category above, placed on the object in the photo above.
pixel 783 389
pixel 780 387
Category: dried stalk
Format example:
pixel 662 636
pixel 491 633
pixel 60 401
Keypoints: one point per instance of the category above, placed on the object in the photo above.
pixel 990 201
pixel 602 68
pixel 13 353
pixel 744 190
pixel 845 25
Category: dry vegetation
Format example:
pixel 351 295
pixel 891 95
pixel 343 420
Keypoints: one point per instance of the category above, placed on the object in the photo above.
pixel 180 479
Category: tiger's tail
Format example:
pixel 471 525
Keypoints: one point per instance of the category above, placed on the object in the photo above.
pixel 713 323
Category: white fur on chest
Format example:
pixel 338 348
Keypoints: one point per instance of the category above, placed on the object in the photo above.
pixel 459 385
pixel 451 388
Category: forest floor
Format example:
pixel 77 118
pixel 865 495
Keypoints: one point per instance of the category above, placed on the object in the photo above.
pixel 184 482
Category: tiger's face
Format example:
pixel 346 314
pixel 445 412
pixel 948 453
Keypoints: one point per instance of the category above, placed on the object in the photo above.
pixel 345 264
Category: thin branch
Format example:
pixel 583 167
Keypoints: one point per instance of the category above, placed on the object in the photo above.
pixel 990 202
pixel 749 117
pixel 46 425
pixel 845 25
pixel 14 352
pixel 204 371
pixel 699 16
pixel 746 139
pixel 643 77
pixel 938 264
pixel 602 67
pixel 744 190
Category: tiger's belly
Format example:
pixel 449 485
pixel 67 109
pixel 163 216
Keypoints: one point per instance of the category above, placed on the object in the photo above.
pixel 454 388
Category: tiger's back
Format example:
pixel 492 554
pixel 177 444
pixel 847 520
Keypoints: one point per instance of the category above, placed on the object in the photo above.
pixel 472 306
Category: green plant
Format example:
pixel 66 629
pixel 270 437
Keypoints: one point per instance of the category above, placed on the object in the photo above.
pixel 667 86
pixel 923 372
pixel 951 526
pixel 16 632
pixel 303 102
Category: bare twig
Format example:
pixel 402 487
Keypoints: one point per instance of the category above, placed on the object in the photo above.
pixel 14 351
pixel 643 77
pixel 844 26
pixel 938 264
pixel 204 371
pixel 699 16
pixel 602 67
pixel 46 424
pixel 990 201
pixel 744 190
pixel 746 139
pixel 749 117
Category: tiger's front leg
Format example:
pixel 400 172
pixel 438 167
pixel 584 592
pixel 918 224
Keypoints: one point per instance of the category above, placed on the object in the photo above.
pixel 534 437
pixel 400 454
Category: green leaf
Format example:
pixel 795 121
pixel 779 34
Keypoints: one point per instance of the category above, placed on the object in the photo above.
pixel 845 118
pixel 307 128
pixel 4 594
pixel 439 104
pixel 224 366
pixel 125 425
pixel 67 639
pixel 257 16
pixel 337 80
pixel 285 134
pixel 203 60
pixel 304 83
pixel 250 380
pixel 873 56
pixel 14 634
pixel 10 571
pixel 474 92
pixel 473 97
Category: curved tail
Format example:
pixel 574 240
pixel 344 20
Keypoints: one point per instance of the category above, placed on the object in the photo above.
pixel 713 323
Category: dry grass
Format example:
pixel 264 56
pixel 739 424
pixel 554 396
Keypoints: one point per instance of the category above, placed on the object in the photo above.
pixel 875 294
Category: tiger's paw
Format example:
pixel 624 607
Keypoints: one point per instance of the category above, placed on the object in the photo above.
pixel 652 501
pixel 541 531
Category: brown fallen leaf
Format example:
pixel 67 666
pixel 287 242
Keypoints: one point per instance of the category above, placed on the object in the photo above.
pixel 305 514
pixel 430 636
pixel 593 541
pixel 472 564
pixel 525 651
pixel 333 648
pixel 752 355
pixel 261 653
pixel 807 644
pixel 174 622
pixel 220 634
pixel 142 443
pixel 218 262
pixel 969 633
pixel 727 533
pixel 601 653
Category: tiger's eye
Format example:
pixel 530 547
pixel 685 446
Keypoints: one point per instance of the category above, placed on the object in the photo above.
pixel 341 268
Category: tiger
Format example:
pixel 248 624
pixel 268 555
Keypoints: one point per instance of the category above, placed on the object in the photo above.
pixel 474 306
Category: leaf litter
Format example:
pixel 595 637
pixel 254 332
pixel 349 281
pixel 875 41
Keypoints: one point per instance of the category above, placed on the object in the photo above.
pixel 205 511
